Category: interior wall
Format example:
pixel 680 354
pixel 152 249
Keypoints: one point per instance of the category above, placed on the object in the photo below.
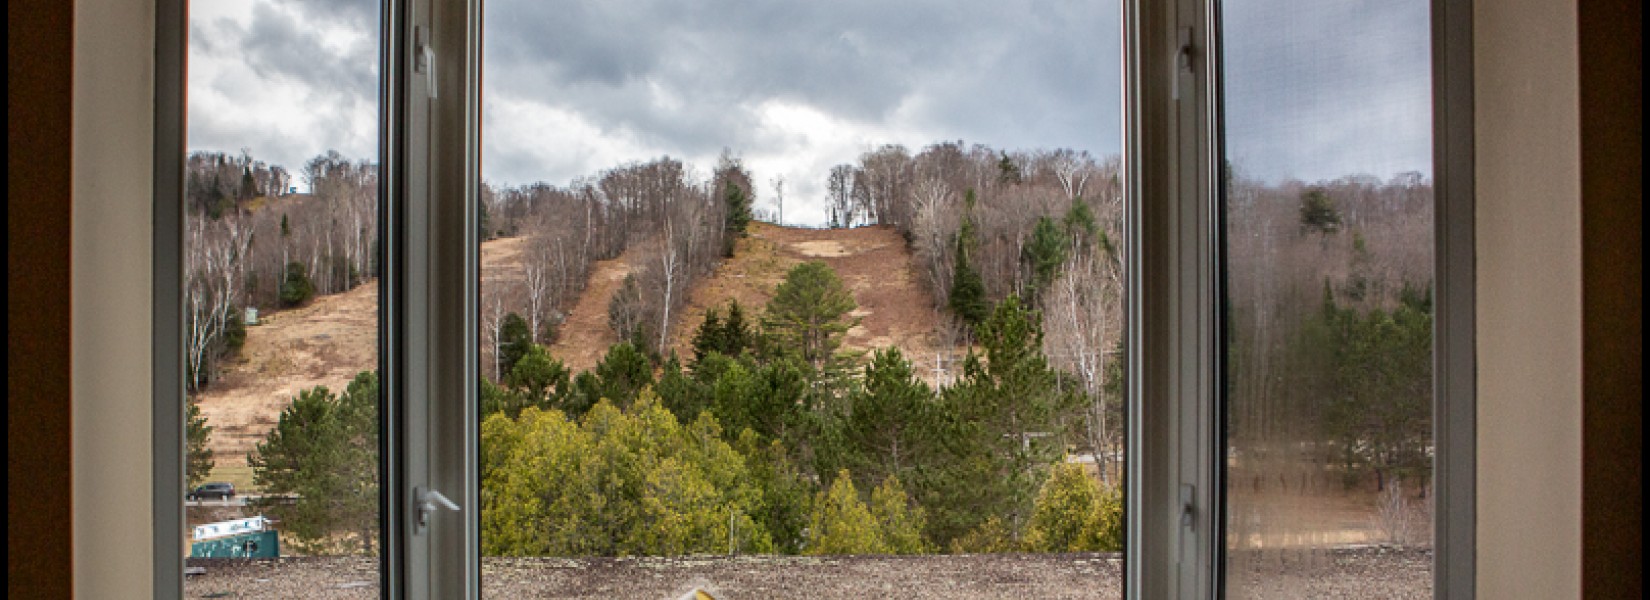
pixel 39 44
pixel 1528 214
pixel 113 119
pixel 1612 219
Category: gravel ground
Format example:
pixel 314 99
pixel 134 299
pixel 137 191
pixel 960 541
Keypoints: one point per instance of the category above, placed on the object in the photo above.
pixel 1342 573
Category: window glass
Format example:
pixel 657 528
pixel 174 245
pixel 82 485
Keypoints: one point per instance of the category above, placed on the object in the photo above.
pixel 281 260
pixel 1327 207
pixel 796 287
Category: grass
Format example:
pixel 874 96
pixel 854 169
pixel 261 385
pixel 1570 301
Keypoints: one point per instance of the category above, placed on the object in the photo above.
pixel 240 475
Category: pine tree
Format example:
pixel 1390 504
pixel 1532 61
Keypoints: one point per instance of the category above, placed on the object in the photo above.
pixel 1044 253
pixel 887 431
pixel 515 340
pixel 1004 426
pixel 200 459
pixel 323 450
pixel 809 313
pixel 538 379
pixel 967 296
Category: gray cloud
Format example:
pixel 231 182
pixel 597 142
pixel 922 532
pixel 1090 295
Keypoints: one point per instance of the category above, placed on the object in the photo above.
pixel 1318 90
pixel 286 80
pixel 1314 90
pixel 691 81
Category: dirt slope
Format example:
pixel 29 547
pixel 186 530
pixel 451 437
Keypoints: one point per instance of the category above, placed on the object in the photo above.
pixel 326 342
pixel 873 262
pixel 585 335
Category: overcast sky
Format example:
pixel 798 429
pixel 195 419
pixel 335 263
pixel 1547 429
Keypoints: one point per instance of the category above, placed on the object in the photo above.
pixel 572 88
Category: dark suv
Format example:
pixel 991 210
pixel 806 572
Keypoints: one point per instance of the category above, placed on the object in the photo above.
pixel 218 490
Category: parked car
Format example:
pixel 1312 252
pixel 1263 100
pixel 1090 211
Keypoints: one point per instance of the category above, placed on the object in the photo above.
pixel 217 489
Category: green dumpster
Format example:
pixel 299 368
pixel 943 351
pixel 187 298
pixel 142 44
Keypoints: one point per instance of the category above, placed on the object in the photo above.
pixel 257 544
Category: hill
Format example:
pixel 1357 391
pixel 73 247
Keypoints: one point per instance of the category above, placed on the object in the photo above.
pixel 334 337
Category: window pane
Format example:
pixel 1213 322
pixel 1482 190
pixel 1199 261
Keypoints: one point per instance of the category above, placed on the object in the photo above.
pixel 1328 230
pixel 281 299
pixel 822 279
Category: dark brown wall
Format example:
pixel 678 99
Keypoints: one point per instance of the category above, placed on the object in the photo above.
pixel 1612 297
pixel 39 45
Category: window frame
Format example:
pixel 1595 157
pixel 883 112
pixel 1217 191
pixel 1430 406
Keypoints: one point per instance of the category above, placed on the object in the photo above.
pixel 1171 202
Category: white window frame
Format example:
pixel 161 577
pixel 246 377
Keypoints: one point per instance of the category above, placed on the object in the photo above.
pixel 430 157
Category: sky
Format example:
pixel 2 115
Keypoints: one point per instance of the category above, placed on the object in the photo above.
pixel 792 88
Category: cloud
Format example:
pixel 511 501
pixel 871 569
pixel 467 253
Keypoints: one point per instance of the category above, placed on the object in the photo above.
pixel 1314 90
pixel 285 80
pixel 1319 90
pixel 794 87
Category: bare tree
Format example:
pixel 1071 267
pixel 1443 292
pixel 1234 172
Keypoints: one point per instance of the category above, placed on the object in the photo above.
pixel 212 268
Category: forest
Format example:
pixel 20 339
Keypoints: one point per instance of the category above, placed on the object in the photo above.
pixel 770 437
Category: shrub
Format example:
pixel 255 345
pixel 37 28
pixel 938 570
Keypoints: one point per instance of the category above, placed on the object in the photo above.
pixel 295 285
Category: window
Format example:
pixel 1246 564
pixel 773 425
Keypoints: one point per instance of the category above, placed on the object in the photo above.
pixel 431 166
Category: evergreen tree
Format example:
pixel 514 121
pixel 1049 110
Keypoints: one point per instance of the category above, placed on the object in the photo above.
pixel 729 337
pixel 1004 428
pixel 1044 253
pixel 538 379
pixel 967 297
pixel 785 494
pixel 887 430
pixel 295 285
pixel 615 483
pixel 809 313
pixel 1318 212
pixel 620 375
pixel 515 340
pixel 1073 514
pixel 324 450
pixel 900 522
pixel 738 206
pixel 200 459
pixel 842 524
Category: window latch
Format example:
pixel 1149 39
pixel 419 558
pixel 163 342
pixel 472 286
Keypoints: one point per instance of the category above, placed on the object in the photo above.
pixel 424 59
pixel 426 502
pixel 1182 58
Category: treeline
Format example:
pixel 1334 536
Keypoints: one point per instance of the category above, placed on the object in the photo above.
pixel 675 228
pixel 1330 335
pixel 984 225
pixel 770 438
pixel 248 244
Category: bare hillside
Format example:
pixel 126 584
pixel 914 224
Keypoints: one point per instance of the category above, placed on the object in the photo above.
pixel 330 340
pixel 326 342
pixel 873 262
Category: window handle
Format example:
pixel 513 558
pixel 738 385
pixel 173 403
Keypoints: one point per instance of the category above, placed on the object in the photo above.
pixel 424 61
pixel 1182 58
pixel 428 501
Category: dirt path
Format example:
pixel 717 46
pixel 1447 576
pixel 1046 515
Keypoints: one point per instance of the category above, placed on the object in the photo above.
pixel 873 262
pixel 585 335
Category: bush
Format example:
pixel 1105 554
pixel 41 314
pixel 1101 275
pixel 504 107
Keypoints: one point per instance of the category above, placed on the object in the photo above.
pixel 1073 514
pixel 295 285
pixel 841 524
